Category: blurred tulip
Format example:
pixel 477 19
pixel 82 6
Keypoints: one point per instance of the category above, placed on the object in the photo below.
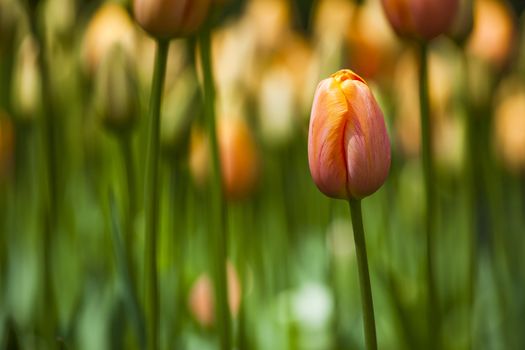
pixel 116 95
pixel 372 43
pixel 201 299
pixel 332 18
pixel 179 109
pixel 277 105
pixel 494 33
pixel 420 19
pixel 239 159
pixel 407 120
pixel 7 143
pixel 510 126
pixel 166 19
pixel 9 17
pixel 238 155
pixel 270 21
pixel 331 22
pixel 463 23
pixel 348 145
pixel 109 26
pixel 26 89
pixel 199 157
pixel 60 18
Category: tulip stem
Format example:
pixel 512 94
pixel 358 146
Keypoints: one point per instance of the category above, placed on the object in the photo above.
pixel 219 242
pixel 433 313
pixel 152 195
pixel 51 208
pixel 125 143
pixel 364 275
pixel 471 181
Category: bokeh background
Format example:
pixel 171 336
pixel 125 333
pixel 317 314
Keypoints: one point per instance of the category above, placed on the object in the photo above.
pixel 73 133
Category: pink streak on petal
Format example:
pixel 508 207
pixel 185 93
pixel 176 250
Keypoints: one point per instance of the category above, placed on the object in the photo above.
pixel 367 142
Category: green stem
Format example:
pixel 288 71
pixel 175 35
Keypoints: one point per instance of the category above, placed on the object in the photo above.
pixel 472 210
pixel 364 275
pixel 127 156
pixel 50 210
pixel 217 198
pixel 152 195
pixel 434 317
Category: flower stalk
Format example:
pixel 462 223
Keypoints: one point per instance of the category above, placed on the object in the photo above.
pixel 433 312
pixel 364 275
pixel 152 195
pixel 218 232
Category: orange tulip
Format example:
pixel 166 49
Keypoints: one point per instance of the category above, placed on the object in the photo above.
pixel 348 145
pixel 421 19
pixel 238 155
pixel 168 19
pixel 239 160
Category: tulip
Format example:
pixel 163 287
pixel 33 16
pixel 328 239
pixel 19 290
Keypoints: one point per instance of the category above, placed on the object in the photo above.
pixel 26 84
pixel 494 32
pixel 510 127
pixel 201 299
pixel 238 155
pixel 166 19
pixel 9 17
pixel 463 23
pixel 239 160
pixel 348 145
pixel 420 19
pixel 117 91
pixel 111 25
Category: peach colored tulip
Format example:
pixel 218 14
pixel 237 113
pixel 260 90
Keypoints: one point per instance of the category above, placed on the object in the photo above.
pixel 201 302
pixel 494 33
pixel 421 19
pixel 170 18
pixel 348 145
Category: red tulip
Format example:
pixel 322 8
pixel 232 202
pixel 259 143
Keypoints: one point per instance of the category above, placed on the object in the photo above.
pixel 348 145
pixel 422 19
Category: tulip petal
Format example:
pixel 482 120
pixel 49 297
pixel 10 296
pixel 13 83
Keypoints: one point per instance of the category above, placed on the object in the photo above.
pixel 326 154
pixel 366 139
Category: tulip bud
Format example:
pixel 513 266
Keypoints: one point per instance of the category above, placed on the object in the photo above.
pixel 238 156
pixel 239 161
pixel 463 23
pixel 199 157
pixel 178 111
pixel 509 131
pixel 348 145
pixel 420 19
pixel 9 17
pixel 168 19
pixel 26 82
pixel 201 302
pixel 111 25
pixel 116 95
pixel 494 32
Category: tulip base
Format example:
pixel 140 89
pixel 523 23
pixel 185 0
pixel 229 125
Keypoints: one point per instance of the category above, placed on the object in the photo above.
pixel 364 275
